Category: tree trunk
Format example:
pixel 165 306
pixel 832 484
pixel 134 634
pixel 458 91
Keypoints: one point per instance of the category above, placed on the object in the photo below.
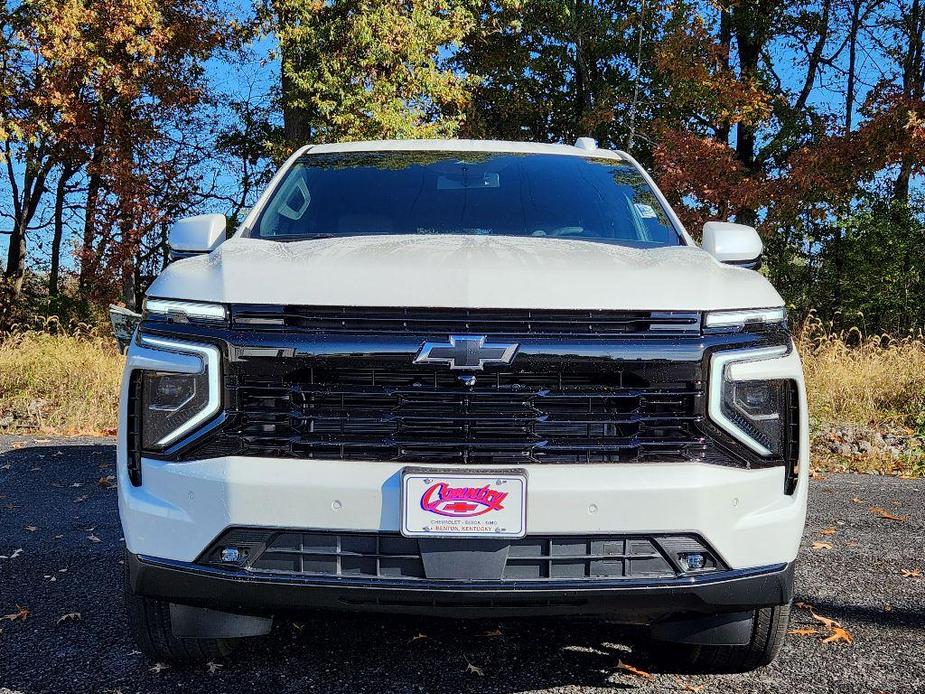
pixel 16 255
pixel 33 187
pixel 60 194
pixel 913 85
pixel 296 119
pixel 748 22
pixel 725 41
pixel 88 264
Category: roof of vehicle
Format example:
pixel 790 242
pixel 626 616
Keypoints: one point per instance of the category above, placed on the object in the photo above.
pixel 463 146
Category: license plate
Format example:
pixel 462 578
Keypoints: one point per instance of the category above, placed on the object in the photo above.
pixel 451 504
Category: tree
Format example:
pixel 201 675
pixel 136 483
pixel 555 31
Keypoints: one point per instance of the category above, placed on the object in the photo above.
pixel 555 70
pixel 372 69
pixel 42 120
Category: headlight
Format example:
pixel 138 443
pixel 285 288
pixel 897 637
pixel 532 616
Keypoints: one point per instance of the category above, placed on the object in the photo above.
pixel 750 407
pixel 173 403
pixel 184 310
pixel 744 318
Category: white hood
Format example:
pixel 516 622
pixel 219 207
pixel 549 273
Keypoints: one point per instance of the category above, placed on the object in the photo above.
pixel 463 272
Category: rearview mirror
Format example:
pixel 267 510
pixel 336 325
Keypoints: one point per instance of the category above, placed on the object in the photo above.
pixel 733 244
pixel 194 235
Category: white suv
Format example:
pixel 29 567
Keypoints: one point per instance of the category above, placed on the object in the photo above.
pixel 458 378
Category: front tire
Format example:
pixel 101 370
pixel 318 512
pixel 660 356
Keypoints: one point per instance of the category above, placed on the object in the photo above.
pixel 149 623
pixel 768 632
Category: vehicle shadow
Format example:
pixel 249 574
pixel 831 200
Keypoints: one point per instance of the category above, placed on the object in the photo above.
pixel 435 654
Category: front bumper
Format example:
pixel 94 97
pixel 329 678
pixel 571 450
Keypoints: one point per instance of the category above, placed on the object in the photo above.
pixel 182 507
pixel 639 602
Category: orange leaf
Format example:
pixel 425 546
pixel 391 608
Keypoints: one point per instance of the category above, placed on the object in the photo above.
pixel 828 531
pixel 830 624
pixel 822 545
pixel 685 687
pixel 805 631
pixel 856 500
pixel 634 670
pixel 21 614
pixel 883 513
pixel 911 573
pixel 839 634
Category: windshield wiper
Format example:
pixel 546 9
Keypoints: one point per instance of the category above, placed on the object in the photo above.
pixel 288 238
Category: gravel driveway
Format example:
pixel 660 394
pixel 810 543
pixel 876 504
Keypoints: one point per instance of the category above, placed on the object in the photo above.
pixel 60 552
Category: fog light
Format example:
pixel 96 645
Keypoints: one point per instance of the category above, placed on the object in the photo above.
pixel 692 562
pixel 230 555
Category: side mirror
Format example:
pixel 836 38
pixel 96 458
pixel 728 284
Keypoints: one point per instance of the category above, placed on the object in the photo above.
pixel 194 235
pixel 734 244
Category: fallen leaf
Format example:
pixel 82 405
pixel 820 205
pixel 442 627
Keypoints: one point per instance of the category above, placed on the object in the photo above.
pixel 839 634
pixel 829 624
pixel 472 668
pixel 883 513
pixel 492 634
pixel 81 499
pixel 828 531
pixel 158 667
pixel 822 545
pixel 75 616
pixel 31 528
pixel 805 631
pixel 417 637
pixel 214 667
pixel 686 687
pixel 21 614
pixel 911 573
pixel 5 467
pixel 93 538
pixel 856 500
pixel 634 670
pixel 18 444
pixel 815 475
pixel 107 482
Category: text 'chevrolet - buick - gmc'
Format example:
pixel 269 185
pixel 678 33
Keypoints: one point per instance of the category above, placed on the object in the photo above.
pixel 463 378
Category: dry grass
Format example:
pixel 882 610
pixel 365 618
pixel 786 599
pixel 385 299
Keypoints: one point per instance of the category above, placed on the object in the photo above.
pixel 59 380
pixel 852 378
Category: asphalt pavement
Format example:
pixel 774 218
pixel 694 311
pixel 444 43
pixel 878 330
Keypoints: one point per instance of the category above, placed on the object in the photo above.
pixel 62 627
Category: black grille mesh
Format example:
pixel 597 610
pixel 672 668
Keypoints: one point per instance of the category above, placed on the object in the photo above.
pixel 427 414
pixel 521 323
pixel 392 556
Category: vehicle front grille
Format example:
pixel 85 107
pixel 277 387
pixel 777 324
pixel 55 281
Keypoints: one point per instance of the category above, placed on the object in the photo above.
pixel 392 556
pixel 519 323
pixel 353 410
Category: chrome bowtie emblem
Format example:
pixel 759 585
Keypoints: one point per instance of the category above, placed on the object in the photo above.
pixel 466 352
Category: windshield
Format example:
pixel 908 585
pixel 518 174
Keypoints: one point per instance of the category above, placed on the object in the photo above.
pixel 472 193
